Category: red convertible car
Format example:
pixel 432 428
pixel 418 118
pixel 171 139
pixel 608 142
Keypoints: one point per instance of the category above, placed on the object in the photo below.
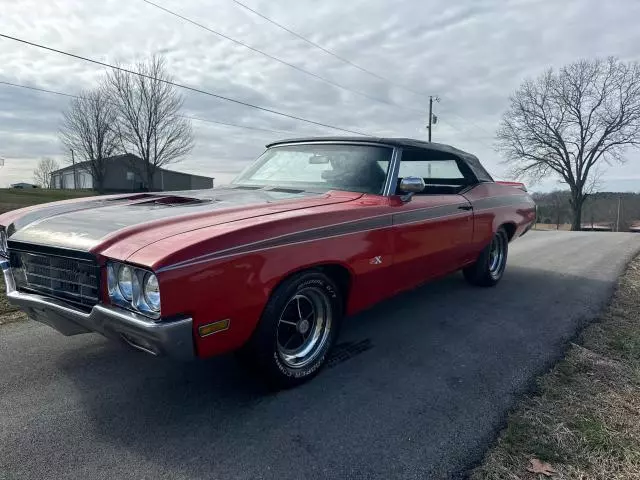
pixel 314 230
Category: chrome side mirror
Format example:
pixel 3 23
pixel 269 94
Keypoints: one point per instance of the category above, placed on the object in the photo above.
pixel 411 185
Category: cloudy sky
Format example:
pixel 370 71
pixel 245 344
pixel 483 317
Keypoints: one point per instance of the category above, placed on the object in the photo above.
pixel 472 54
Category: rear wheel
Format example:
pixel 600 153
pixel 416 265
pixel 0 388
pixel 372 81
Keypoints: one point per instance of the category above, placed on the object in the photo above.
pixel 297 329
pixel 490 265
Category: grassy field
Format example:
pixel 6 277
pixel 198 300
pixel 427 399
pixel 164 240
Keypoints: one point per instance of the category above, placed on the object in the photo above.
pixel 12 198
pixel 584 420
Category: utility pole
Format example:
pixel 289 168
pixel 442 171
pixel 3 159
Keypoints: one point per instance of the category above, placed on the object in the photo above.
pixel 73 162
pixel 618 216
pixel 433 119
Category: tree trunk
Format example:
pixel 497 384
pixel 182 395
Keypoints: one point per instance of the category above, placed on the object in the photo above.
pixel 150 174
pixel 577 201
pixel 99 185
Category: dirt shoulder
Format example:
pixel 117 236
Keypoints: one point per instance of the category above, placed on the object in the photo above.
pixel 584 419
pixel 8 313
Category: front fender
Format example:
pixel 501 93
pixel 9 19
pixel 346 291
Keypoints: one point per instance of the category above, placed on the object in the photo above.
pixel 238 287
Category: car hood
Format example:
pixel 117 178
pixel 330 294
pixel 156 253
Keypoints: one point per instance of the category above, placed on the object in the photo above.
pixel 138 220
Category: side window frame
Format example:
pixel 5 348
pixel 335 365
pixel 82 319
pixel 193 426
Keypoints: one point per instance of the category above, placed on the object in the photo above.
pixel 470 178
pixel 389 188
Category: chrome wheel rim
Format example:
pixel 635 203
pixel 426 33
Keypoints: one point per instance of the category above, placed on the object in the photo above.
pixel 497 256
pixel 304 327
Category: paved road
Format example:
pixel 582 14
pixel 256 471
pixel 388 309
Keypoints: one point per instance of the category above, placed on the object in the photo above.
pixel 418 388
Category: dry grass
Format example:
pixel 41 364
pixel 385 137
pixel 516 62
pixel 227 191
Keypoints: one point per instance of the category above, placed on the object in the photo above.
pixel 585 418
pixel 4 304
pixel 552 226
pixel 8 313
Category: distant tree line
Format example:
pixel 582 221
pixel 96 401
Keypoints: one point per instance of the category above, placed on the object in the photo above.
pixel 598 209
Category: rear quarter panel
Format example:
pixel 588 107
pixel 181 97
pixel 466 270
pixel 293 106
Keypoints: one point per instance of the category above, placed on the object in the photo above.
pixel 496 205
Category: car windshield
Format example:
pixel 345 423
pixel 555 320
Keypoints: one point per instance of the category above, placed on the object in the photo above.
pixel 359 168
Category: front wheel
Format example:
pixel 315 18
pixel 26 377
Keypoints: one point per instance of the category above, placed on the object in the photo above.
pixel 297 329
pixel 490 265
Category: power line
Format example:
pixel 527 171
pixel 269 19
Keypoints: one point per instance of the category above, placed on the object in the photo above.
pixel 473 137
pixel 342 59
pixel 326 50
pixel 39 89
pixel 44 90
pixel 279 60
pixel 54 92
pixel 206 93
pixel 471 122
pixel 433 118
pixel 198 119
pixel 185 87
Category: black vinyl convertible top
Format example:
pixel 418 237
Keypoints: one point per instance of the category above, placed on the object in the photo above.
pixel 471 160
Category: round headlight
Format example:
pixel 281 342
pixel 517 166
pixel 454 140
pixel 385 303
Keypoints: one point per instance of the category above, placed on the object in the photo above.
pixel 112 279
pixel 152 292
pixel 125 282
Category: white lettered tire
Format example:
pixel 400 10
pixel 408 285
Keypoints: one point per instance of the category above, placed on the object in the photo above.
pixel 491 263
pixel 297 329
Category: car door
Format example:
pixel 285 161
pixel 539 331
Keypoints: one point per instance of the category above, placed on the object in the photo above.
pixel 433 230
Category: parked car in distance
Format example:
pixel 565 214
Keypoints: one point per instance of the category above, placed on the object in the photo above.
pixel 268 266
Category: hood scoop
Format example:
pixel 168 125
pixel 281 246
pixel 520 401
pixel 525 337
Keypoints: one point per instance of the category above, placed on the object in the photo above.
pixel 177 201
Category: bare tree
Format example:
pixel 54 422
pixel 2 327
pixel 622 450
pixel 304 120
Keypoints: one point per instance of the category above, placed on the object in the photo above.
pixel 42 173
pixel 149 120
pixel 566 122
pixel 558 204
pixel 89 130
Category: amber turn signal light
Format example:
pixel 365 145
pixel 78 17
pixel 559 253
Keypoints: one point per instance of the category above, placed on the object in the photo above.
pixel 215 327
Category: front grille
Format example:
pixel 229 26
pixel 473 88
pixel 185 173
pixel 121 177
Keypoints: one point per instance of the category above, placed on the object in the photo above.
pixel 66 278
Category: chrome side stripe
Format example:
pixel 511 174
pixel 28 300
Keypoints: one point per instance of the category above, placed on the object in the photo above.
pixel 314 233
pixel 222 256
pixel 414 216
pixel 501 201
pixel 342 229
pixel 338 229
pixel 333 231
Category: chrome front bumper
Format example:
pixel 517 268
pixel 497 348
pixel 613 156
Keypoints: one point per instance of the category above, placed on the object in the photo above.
pixel 172 338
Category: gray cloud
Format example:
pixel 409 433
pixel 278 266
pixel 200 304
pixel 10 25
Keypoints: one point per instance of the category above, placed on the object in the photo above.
pixel 473 55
